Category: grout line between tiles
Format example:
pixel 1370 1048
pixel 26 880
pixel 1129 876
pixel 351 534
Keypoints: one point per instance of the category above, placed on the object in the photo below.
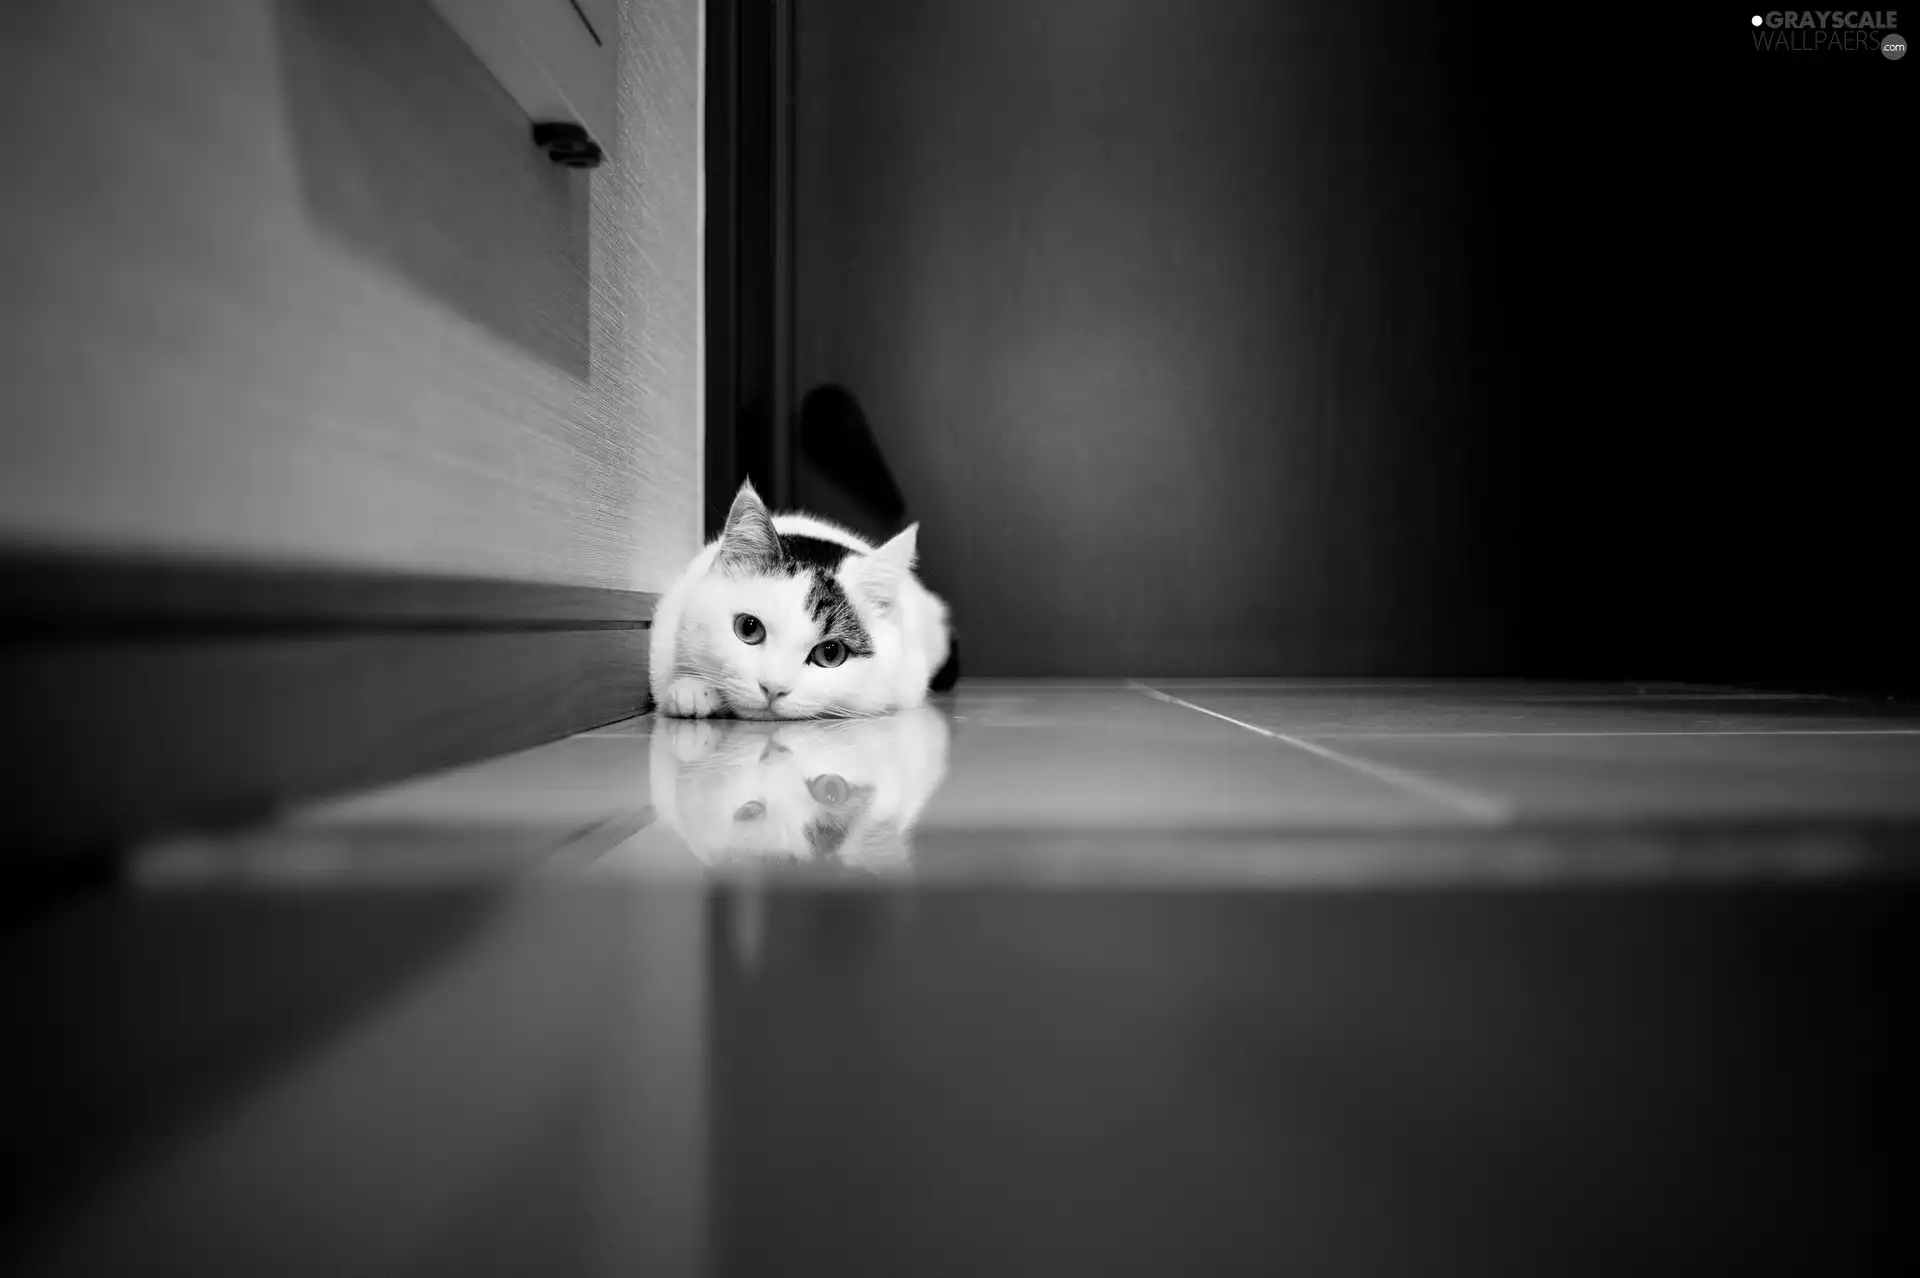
pixel 587 845
pixel 1632 732
pixel 1631 698
pixel 1478 806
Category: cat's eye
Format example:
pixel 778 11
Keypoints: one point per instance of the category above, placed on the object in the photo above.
pixel 751 810
pixel 828 654
pixel 828 789
pixel 747 628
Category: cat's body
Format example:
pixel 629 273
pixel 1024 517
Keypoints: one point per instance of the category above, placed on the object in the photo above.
pixel 792 617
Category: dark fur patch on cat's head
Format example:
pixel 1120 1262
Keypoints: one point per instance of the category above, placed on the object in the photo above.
pixel 750 545
pixel 827 600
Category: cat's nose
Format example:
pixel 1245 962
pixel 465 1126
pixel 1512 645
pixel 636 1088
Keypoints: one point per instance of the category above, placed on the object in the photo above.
pixel 774 691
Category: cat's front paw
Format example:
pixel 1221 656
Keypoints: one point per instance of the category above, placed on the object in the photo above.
pixel 690 699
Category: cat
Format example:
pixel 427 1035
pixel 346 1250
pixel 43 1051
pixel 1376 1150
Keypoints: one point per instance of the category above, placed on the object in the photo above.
pixel 824 792
pixel 792 617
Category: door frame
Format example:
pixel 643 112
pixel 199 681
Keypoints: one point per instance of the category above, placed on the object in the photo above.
pixel 749 253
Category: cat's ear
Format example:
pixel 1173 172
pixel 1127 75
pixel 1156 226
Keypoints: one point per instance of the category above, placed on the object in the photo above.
pixel 748 540
pixel 878 576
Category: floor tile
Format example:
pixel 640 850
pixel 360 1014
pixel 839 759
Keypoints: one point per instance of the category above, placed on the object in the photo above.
pixel 1435 709
pixel 1006 985
pixel 1696 778
pixel 584 777
pixel 1052 782
pixel 568 800
pixel 643 1079
pixel 1112 759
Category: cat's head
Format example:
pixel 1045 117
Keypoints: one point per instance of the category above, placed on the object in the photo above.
pixel 835 792
pixel 795 627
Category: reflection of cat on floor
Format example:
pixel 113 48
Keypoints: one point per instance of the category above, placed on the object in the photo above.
pixel 833 791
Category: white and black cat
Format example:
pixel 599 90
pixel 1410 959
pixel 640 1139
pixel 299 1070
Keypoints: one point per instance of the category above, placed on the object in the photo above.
pixel 792 617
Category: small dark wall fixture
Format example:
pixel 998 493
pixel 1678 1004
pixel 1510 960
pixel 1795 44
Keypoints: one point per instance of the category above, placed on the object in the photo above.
pixel 410 154
pixel 567 144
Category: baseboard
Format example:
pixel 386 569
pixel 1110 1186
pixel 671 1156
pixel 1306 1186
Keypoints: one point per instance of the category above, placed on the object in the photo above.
pixel 145 697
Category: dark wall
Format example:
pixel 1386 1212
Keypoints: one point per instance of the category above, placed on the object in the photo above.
pixel 1250 337
pixel 1706 474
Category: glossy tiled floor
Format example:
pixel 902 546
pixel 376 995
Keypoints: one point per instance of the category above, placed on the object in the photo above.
pixel 1073 977
pixel 1175 781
